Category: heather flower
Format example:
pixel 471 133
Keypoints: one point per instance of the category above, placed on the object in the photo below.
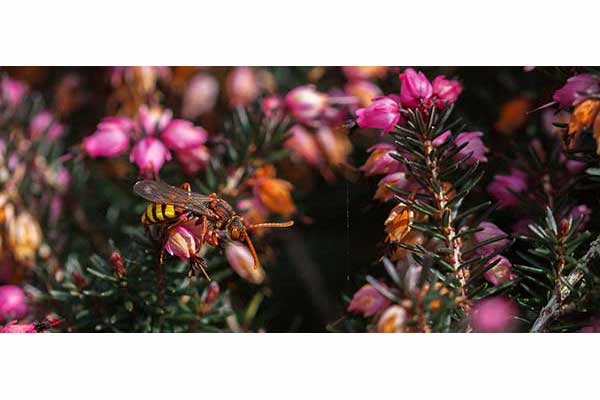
pixel 576 88
pixel 209 296
pixel 200 96
pixel 363 91
pixel 193 160
pixel 13 327
pixel 303 145
pixel 241 86
pixel 380 162
pixel 368 301
pixel 445 91
pixel 180 134
pixel 494 314
pixel 499 273
pixel 382 113
pixel 415 88
pixel 489 231
pixel 360 73
pixel 305 103
pixel 183 241
pixel 110 140
pixel 473 145
pixel 241 261
pixel 392 320
pixel 397 179
pixel 154 119
pixel 13 302
pixel 12 92
pixel 273 107
pixel 334 144
pixel 503 186
pixel 581 211
pixel 149 154
pixel 44 123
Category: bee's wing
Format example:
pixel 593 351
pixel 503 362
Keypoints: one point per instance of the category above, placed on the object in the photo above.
pixel 160 192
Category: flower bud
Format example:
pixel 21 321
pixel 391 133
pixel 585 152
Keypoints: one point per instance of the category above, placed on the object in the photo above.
pixel 303 145
pixel 154 119
pixel 13 327
pixel 501 272
pixel 13 302
pixel 111 138
pixel 335 144
pixel 242 86
pixel 194 159
pixel 44 123
pixel 368 301
pixel 489 231
pixel 242 262
pixel 503 186
pixel 392 320
pixel 364 91
pixel 273 107
pixel 445 91
pixel 117 264
pixel 12 92
pixel 180 134
pixel 382 113
pixel 305 103
pixel 200 96
pixel 494 314
pixel 380 161
pixel 209 296
pixel 415 88
pixel 150 154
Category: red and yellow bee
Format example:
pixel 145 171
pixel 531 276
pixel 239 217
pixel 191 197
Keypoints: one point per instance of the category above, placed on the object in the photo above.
pixel 171 206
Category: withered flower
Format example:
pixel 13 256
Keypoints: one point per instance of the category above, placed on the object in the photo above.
pixel 513 115
pixel 24 237
pixel 397 224
pixel 273 193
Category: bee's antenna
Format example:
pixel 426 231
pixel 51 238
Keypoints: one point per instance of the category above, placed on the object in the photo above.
pixel 286 224
pixel 251 247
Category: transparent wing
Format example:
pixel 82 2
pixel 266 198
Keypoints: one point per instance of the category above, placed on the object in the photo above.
pixel 160 192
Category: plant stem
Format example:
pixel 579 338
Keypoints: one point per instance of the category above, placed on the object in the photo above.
pixel 552 309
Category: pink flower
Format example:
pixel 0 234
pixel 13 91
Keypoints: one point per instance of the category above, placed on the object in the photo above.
pixel 489 231
pixel 445 91
pixel 272 107
pixel 383 113
pixel 153 120
pixel 499 273
pixel 180 134
pixel 44 123
pixel 149 154
pixel 13 327
pixel 200 96
pixel 575 89
pixel 303 145
pixel 12 91
pixel 581 211
pixel 473 145
pixel 241 261
pixel 397 179
pixel 110 140
pixel 368 301
pixel 380 161
pixel 415 88
pixel 194 159
pixel 503 186
pixel 364 91
pixel 494 314
pixel 368 72
pixel 242 86
pixel 183 241
pixel 13 302
pixel 306 103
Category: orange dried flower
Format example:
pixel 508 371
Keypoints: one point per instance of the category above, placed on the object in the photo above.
pixel 24 237
pixel 397 224
pixel 274 194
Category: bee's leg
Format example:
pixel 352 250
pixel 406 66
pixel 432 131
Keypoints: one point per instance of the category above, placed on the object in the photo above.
pixel 213 238
pixel 213 196
pixel 186 186
pixel 198 263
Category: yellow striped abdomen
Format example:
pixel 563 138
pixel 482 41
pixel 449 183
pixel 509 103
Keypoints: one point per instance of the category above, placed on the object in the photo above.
pixel 157 213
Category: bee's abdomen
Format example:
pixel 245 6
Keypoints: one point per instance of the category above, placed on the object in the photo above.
pixel 157 212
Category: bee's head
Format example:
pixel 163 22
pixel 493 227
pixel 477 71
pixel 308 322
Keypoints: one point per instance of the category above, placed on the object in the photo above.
pixel 236 228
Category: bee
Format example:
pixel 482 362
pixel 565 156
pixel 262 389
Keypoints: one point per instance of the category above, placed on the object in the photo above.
pixel 170 206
